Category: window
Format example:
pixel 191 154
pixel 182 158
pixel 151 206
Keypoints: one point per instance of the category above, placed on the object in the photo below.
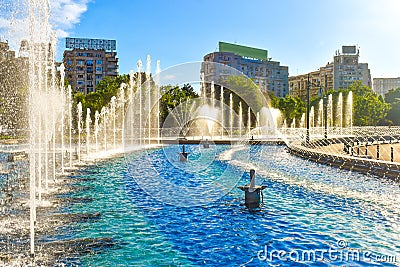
pixel 89 70
pixel 80 62
pixel 99 62
pixel 80 76
pixel 69 62
pixel 99 69
pixel 80 82
pixel 89 62
pixel 79 69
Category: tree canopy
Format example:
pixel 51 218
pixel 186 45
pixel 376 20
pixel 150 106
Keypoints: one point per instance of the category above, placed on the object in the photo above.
pixel 393 98
pixel 172 96
pixel 369 108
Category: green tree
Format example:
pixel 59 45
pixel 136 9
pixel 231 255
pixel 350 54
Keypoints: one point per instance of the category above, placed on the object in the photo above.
pixel 393 98
pixel 368 107
pixel 290 106
pixel 172 96
pixel 243 90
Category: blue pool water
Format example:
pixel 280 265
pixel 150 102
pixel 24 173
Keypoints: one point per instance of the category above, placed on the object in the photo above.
pixel 308 208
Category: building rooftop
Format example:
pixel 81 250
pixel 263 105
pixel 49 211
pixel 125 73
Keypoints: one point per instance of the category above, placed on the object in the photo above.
pixel 93 44
pixel 244 51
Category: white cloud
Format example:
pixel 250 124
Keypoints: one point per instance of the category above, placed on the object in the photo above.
pixel 14 18
pixel 65 14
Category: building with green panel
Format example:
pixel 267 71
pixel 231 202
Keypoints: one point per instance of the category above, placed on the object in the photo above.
pixel 269 75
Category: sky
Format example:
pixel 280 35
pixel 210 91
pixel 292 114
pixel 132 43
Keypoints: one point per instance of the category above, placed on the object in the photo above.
pixel 301 34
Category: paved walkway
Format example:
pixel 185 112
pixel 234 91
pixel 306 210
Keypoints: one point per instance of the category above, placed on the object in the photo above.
pixel 384 151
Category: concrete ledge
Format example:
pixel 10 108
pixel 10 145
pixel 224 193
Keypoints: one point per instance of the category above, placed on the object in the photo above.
pixel 362 165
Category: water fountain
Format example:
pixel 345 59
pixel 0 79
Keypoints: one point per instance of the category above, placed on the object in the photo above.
pixel 96 129
pixel 231 114
pixel 157 113
pixel 240 118
pixel 330 111
pixel 320 113
pixel 79 119
pixel 212 95
pixel 349 110
pixel 62 74
pixel 222 111
pixel 312 117
pixel 103 113
pixel 303 120
pixel 121 102
pixel 131 107
pixel 339 111
pixel 113 112
pixel 88 121
pixel 139 84
pixel 293 124
pixel 69 104
pixel 149 98
pixel 248 120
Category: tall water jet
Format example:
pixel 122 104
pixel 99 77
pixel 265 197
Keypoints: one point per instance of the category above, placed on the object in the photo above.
pixel 320 113
pixel 312 117
pixel 231 114
pixel 88 121
pixel 53 86
pixel 114 118
pixel 293 124
pixel 148 73
pixel 240 118
pixel 69 103
pixel 62 74
pixel 131 105
pixel 222 111
pixel 139 84
pixel 32 130
pixel 302 120
pixel 96 129
pixel 330 111
pixel 340 110
pixel 212 96
pixel 103 113
pixel 258 123
pixel 202 89
pixel 248 120
pixel 158 71
pixel 122 107
pixel 79 117
pixel 40 55
pixel 349 111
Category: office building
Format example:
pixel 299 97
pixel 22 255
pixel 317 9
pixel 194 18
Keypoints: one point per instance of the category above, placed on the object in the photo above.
pixel 89 61
pixel 269 75
pixel 341 73
pixel 383 85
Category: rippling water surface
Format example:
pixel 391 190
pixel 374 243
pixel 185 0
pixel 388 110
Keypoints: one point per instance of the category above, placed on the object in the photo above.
pixel 307 208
